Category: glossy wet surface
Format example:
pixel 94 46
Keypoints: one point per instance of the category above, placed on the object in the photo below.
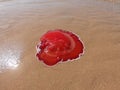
pixel 97 22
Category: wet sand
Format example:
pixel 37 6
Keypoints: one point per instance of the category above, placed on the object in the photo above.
pixel 97 23
pixel 113 1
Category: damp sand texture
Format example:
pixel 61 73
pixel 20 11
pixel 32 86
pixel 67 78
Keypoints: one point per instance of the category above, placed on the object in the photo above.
pixel 23 22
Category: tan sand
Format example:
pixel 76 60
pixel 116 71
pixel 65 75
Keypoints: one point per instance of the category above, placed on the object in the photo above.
pixel 113 1
pixel 4 0
pixel 22 23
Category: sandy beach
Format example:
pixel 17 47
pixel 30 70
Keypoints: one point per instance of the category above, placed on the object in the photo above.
pixel 113 1
pixel 96 22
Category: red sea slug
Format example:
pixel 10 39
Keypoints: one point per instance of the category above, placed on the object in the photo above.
pixel 59 45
